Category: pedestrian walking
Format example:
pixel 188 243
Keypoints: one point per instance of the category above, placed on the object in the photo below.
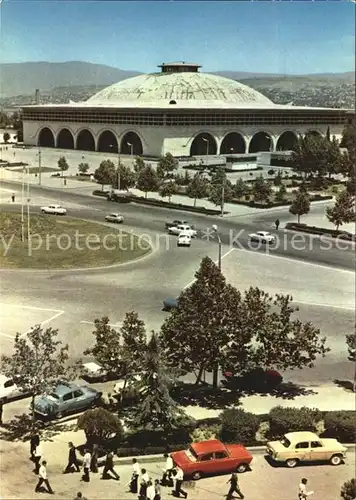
pixel 157 490
pixel 79 496
pixel 37 455
pixel 167 471
pixel 86 466
pixel 234 487
pixel 277 224
pixel 179 476
pixel 72 459
pixel 109 467
pixel 34 442
pixel 42 478
pixel 302 490
pixel 94 460
pixel 150 492
pixel 143 485
pixel 135 476
pixel 1 409
pixel 13 197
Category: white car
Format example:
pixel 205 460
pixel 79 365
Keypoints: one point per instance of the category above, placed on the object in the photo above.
pixel 184 240
pixel 8 389
pixel 54 209
pixel 93 372
pixel 182 228
pixel 114 218
pixel 262 237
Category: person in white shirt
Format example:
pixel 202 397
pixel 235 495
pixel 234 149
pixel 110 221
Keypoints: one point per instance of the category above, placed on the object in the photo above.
pixel 86 466
pixel 179 476
pixel 143 486
pixel 150 492
pixel 135 476
pixel 302 492
pixel 168 470
pixel 42 478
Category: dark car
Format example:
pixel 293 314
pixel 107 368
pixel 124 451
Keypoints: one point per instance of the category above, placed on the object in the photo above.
pixel 169 304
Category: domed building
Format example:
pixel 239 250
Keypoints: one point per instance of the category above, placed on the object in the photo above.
pixel 178 110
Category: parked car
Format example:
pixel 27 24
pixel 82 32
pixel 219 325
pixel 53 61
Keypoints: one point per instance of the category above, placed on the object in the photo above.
pixel 169 304
pixel 54 209
pixel 66 398
pixel 175 223
pixel 9 390
pixel 116 218
pixel 56 174
pixel 182 228
pixel 184 240
pixel 93 372
pixel 212 457
pixel 262 237
pixel 305 446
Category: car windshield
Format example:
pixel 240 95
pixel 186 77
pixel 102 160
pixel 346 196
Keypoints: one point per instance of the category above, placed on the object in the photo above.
pixel 286 443
pixel 191 454
pixel 53 395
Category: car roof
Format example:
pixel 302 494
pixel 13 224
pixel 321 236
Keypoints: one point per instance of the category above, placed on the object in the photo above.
pixel 208 446
pixel 301 436
pixel 170 301
pixel 114 214
pixel 263 232
pixel 3 378
pixel 62 389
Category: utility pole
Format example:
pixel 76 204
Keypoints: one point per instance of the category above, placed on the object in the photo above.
pixel 39 167
pixel 22 206
pixel 223 196
pixel 216 368
pixel 28 208
pixel 118 170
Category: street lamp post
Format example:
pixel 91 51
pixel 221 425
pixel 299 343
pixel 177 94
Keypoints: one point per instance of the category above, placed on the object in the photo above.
pixel 22 205
pixel 131 148
pixel 28 207
pixel 39 167
pixel 216 369
pixel 207 150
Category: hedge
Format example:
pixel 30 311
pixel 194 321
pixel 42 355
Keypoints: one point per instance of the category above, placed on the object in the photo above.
pixel 176 206
pixel 304 228
pixel 282 420
pixel 340 425
pixel 238 426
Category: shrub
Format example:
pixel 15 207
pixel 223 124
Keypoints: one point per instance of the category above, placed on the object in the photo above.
pixel 99 425
pixel 340 425
pixel 283 420
pixel 205 432
pixel 238 426
pixel 271 172
pixel 348 490
pixel 159 438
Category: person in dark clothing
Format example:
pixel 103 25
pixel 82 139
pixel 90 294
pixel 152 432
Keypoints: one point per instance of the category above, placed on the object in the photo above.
pixel 13 197
pixel 72 460
pixel 277 224
pixel 94 460
pixel 234 487
pixel 157 490
pixel 80 496
pixel 34 442
pixel 109 467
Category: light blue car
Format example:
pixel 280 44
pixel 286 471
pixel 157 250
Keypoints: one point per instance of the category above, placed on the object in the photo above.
pixel 66 398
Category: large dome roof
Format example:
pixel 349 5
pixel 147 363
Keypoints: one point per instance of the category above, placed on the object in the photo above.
pixel 187 88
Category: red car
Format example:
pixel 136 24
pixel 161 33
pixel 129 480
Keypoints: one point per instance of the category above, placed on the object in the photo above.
pixel 212 457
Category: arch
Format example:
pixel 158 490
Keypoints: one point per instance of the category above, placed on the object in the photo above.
pixel 233 143
pixel 65 139
pixel 107 142
pixel 314 133
pixel 85 141
pixel 261 141
pixel 131 144
pixel 203 144
pixel 287 141
pixel 46 138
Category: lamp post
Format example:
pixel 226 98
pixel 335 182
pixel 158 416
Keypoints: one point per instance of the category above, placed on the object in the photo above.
pixel 131 148
pixel 39 166
pixel 28 207
pixel 207 150
pixel 214 227
pixel 22 205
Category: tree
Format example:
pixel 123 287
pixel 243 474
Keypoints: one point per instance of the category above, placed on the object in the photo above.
pixel 99 425
pixel 133 334
pixel 195 335
pixel 240 188
pixel 197 188
pixel 83 168
pixel 167 165
pixel 277 181
pixel 139 164
pixel 168 189
pixel 351 349
pixel 63 164
pixel 107 349
pixel 348 490
pixel 301 204
pixel 343 210
pixel 125 176
pixel 6 137
pixel 328 137
pixel 105 173
pixel 221 190
pixel 156 409
pixel 38 362
pixel 261 190
pixel 147 180
pixel 313 155
pixel 281 193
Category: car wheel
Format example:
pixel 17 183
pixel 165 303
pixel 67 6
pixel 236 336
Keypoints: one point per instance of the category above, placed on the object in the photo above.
pixel 336 460
pixel 43 211
pixel 242 468
pixel 196 475
pixel 291 462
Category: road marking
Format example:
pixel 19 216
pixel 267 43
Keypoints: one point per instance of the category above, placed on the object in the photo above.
pixel 216 262
pixel 45 322
pixel 348 308
pixel 35 308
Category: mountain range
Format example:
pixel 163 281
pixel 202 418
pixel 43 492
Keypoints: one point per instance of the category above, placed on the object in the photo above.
pixel 23 78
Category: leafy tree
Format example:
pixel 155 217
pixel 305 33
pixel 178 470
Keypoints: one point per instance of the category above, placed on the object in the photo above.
pixel 156 409
pixel 99 425
pixel 83 168
pixel 195 335
pixel 348 490
pixel 240 188
pixel 261 190
pixel 147 180
pixel 168 189
pixel 343 210
pixel 107 349
pixel 63 164
pixel 351 349
pixel 105 173
pixel 301 203
pixel 197 188
pixel 139 164
pixel 348 140
pixel 281 193
pixel 6 137
pixel 125 176
pixel 38 362
pixel 277 181
pixel 221 189
pixel 314 155
pixel 167 165
pixel 133 336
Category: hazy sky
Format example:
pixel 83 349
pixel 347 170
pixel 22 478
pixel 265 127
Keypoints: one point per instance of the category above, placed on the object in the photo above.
pixel 260 36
